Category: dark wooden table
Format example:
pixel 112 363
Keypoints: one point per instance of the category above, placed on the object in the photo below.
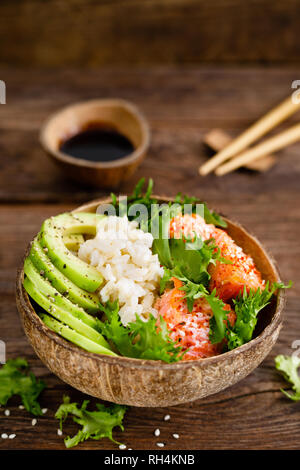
pixel 181 105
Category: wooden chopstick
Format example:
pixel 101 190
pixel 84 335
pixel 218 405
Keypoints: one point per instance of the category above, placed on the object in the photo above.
pixel 273 144
pixel 257 130
pixel 217 139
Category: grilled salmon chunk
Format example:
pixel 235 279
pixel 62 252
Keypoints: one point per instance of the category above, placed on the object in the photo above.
pixel 229 279
pixel 189 329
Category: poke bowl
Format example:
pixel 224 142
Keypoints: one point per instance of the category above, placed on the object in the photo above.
pixel 140 381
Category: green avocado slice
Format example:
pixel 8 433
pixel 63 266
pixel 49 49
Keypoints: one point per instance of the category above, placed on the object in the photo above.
pixel 72 241
pixel 59 281
pixel 51 237
pixel 70 316
pixel 44 286
pixel 72 335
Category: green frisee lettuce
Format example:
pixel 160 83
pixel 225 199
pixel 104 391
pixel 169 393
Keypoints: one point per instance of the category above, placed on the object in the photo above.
pixel 15 379
pixel 94 424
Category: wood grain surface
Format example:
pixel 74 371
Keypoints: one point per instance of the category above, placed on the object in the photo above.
pixel 181 105
pixel 93 32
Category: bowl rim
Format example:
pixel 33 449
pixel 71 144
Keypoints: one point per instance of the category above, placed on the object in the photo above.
pixel 150 364
pixel 81 162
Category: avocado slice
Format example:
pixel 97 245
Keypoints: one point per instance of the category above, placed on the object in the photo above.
pixel 51 237
pixel 58 300
pixel 44 286
pixel 72 335
pixel 63 315
pixel 59 281
pixel 72 241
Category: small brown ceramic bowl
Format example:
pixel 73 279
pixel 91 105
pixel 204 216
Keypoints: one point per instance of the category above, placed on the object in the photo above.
pixel 117 114
pixel 154 383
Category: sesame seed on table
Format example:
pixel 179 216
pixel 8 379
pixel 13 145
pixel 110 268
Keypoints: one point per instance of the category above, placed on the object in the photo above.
pixel 181 105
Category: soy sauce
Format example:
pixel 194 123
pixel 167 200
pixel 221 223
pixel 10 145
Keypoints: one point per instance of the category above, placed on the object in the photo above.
pixel 97 143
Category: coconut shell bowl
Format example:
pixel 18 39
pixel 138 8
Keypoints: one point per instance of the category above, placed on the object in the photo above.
pixel 154 383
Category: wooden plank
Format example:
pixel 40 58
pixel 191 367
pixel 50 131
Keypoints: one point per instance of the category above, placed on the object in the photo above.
pixel 151 32
pixel 181 105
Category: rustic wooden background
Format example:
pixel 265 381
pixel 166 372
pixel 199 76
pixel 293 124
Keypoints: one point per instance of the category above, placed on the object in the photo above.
pixel 101 32
pixel 181 105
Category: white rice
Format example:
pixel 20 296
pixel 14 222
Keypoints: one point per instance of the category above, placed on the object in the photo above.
pixel 122 254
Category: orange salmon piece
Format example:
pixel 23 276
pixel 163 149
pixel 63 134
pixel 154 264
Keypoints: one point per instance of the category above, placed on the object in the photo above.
pixel 229 279
pixel 190 224
pixel 189 329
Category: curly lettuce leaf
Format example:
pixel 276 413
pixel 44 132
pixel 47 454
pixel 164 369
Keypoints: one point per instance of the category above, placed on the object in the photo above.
pixel 193 256
pixel 288 366
pixel 190 260
pixel 247 306
pixel 192 290
pixel 95 424
pixel 210 216
pixel 218 322
pixel 138 197
pixel 139 339
pixel 15 379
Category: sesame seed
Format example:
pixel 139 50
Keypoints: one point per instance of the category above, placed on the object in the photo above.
pixel 6 412
pixel 157 432
pixel 176 436
pixel 122 447
pixel 11 436
pixel 167 418
pixel 59 432
pixel 4 435
pixel 44 410
pixel 21 407
pixel 160 444
pixel 33 422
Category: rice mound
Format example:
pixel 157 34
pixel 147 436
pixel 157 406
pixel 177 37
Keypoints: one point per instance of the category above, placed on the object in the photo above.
pixel 122 253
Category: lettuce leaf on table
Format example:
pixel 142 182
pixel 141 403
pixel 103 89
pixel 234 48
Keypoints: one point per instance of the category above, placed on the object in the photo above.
pixel 15 379
pixel 95 424
pixel 288 366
